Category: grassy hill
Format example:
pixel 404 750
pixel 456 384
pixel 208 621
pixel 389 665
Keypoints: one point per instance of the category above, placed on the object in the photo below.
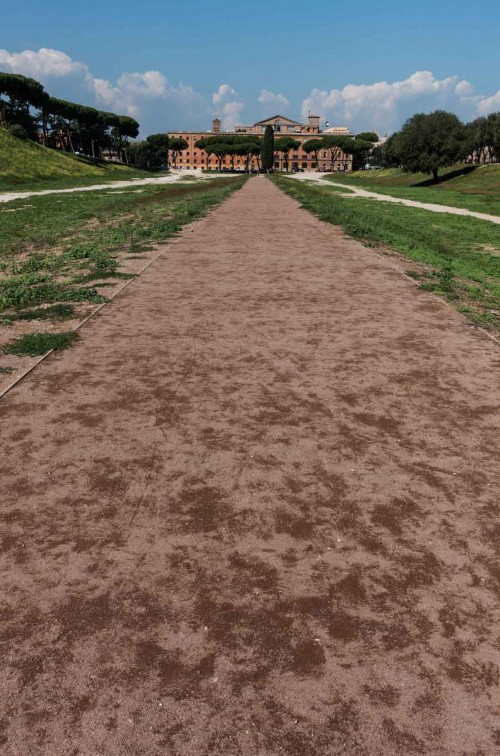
pixel 472 187
pixel 484 179
pixel 26 165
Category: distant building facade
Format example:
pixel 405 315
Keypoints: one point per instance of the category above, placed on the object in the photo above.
pixel 298 160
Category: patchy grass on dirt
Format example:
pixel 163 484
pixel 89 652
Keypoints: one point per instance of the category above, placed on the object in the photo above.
pixel 34 344
pixel 62 253
pixel 53 312
pixel 474 188
pixel 456 257
pixel 51 248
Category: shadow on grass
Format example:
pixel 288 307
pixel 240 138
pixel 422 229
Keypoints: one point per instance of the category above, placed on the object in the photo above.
pixel 448 177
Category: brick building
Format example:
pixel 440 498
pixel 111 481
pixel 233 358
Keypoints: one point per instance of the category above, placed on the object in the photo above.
pixel 193 157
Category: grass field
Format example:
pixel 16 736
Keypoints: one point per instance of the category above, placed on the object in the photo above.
pixel 25 165
pixel 473 188
pixel 59 252
pixel 456 257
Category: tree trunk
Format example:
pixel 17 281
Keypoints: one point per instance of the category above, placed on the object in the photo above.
pixel 68 133
pixel 44 128
pixel 435 174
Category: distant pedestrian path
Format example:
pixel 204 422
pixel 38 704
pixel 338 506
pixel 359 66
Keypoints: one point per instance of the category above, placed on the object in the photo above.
pixel 320 179
pixel 170 178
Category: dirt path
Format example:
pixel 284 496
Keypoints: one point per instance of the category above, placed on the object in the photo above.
pixel 357 192
pixel 169 179
pixel 255 510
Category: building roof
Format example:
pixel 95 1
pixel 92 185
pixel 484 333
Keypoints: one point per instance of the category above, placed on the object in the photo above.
pixel 337 130
pixel 278 117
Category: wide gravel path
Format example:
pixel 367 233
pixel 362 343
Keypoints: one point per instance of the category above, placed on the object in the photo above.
pixel 355 191
pixel 255 510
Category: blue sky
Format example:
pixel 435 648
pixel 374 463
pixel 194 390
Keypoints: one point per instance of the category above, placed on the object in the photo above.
pixel 175 65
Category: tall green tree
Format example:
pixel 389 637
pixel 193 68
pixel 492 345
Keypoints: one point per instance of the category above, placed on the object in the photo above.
pixel 386 155
pixel 483 135
pixel 339 146
pixel 267 149
pixel 151 153
pixel 427 143
pixel 23 93
pixel 177 144
pixel 63 113
pixel 220 151
pixel 285 145
pixel 368 136
pixel 313 146
pixel 360 151
pixel 160 144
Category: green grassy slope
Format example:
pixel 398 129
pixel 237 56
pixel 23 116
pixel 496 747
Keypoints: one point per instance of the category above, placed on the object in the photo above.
pixel 484 179
pixel 26 165
pixel 474 188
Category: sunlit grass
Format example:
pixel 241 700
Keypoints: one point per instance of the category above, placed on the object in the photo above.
pixel 461 254
pixel 474 188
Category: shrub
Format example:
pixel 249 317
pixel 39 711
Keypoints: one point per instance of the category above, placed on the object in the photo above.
pixel 18 131
pixel 34 344
pixel 54 312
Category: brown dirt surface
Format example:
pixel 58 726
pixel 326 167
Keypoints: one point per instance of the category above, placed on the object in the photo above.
pixel 255 510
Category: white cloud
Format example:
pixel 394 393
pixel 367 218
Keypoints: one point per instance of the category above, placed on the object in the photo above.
pixel 133 90
pixel 269 99
pixel 147 96
pixel 158 104
pixel 464 88
pixel 223 93
pixel 40 64
pixel 227 106
pixel 384 105
pixel 487 105
pixel 149 84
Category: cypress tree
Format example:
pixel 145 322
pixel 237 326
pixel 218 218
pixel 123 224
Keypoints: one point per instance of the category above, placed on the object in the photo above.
pixel 267 150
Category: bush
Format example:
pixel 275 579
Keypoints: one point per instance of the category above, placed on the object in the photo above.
pixel 38 288
pixel 18 131
pixel 54 312
pixel 34 344
pixel 104 263
pixel 80 251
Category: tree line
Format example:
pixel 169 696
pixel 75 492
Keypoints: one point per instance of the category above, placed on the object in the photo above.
pixel 266 150
pixel 341 147
pixel 29 112
pixel 428 142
